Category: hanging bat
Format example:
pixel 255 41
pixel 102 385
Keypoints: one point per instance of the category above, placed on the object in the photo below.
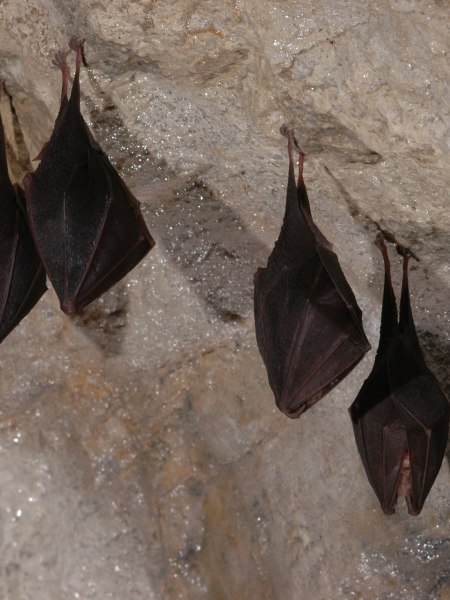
pixel 86 223
pixel 308 324
pixel 22 275
pixel 400 416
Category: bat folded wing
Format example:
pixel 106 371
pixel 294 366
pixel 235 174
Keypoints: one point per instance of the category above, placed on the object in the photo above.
pixel 308 324
pixel 401 434
pixel 306 334
pixel 377 427
pixel 22 273
pixel 331 265
pixel 105 234
pixel 424 410
pixel 87 225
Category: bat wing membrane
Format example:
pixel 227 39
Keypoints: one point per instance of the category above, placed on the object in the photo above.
pixel 380 436
pixel 308 324
pixel 86 223
pixel 333 268
pixel 424 409
pixel 392 421
pixel 121 241
pixel 23 275
pixel 86 203
pixel 296 311
pixel 400 416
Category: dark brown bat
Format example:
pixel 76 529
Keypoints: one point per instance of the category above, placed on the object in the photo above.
pixel 400 416
pixel 22 275
pixel 86 223
pixel 308 324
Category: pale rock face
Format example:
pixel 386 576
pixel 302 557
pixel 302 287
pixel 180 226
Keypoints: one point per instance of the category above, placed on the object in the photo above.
pixel 141 455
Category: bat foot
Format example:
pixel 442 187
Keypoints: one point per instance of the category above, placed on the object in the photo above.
pixel 403 251
pixel 380 241
pixel 293 145
pixel 77 45
pixel 60 60
pixel 288 132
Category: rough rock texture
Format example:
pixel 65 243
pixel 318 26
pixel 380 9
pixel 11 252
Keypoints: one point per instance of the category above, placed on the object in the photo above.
pixel 141 455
